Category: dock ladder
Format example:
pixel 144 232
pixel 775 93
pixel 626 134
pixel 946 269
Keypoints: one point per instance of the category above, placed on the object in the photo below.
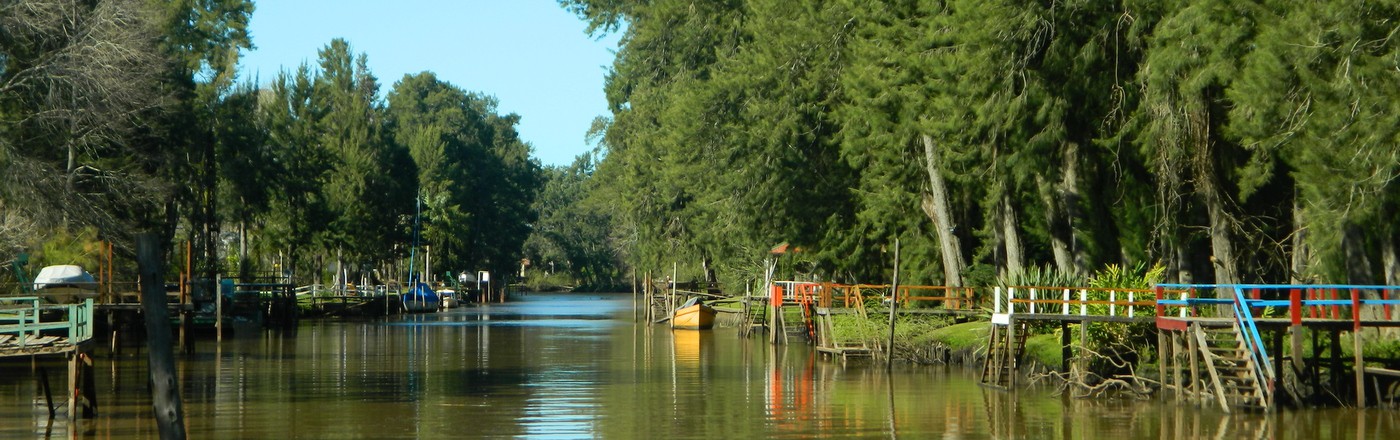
pixel 1005 345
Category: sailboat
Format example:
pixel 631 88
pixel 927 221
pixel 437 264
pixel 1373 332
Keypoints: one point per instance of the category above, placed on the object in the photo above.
pixel 420 297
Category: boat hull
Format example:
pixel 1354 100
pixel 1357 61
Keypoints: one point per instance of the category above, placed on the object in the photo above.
pixel 420 306
pixel 421 299
pixel 695 317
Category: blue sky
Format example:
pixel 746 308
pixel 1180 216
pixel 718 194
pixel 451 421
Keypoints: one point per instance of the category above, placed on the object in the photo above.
pixel 532 55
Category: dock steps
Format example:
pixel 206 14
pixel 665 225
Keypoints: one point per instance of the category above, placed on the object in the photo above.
pixel 1005 345
pixel 1233 377
pixel 828 342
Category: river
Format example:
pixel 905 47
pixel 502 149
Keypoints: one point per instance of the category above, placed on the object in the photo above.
pixel 577 366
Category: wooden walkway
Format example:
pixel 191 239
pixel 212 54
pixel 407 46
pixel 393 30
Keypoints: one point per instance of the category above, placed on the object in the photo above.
pixel 1211 349
pixel 29 327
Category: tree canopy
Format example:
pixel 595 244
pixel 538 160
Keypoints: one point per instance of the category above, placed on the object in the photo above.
pixel 1228 141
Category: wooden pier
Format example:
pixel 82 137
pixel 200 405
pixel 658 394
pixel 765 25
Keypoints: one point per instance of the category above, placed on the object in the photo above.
pixel 1213 349
pixel 29 327
pixel 1223 341
pixel 820 304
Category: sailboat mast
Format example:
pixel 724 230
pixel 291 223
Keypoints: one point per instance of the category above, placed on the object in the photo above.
pixel 413 251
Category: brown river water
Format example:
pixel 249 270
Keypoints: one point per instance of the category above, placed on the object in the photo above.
pixel 577 366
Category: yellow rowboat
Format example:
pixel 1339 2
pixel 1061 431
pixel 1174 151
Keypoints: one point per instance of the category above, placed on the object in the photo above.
pixel 694 314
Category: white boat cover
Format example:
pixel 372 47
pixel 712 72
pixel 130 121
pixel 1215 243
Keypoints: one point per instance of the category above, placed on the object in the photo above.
pixel 66 275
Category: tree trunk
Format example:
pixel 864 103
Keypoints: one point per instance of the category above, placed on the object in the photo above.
pixel 1358 264
pixel 1059 229
pixel 1223 249
pixel 936 205
pixel 165 389
pixel 1011 236
pixel 243 265
pixel 1060 211
pixel 1390 259
pixel 1301 252
pixel 1207 180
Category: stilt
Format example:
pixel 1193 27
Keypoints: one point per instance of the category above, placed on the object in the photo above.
pixel 73 388
pixel 1162 358
pixel 43 379
pixel 1192 351
pixel 1176 364
pixel 87 370
pixel 1360 366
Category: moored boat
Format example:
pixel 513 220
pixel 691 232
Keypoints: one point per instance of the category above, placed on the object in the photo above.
pixel 65 284
pixel 420 299
pixel 449 298
pixel 694 314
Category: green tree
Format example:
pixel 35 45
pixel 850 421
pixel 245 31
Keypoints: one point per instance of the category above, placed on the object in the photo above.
pixel 371 182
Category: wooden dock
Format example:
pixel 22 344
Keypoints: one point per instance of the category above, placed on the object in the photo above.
pixel 1213 350
pixel 30 327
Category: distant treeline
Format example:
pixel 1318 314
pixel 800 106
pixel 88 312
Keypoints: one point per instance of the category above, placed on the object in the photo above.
pixel 118 116
pixel 1227 140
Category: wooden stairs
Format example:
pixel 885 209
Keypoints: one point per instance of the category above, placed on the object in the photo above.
pixel 755 315
pixel 1233 372
pixel 829 343
pixel 1005 345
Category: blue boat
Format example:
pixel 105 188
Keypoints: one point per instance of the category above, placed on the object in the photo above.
pixel 420 297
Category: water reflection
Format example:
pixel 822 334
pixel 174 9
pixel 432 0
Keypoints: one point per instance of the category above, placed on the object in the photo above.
pixel 558 366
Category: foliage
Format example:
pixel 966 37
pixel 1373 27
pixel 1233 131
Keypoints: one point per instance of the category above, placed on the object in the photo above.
pixel 80 247
pixel 572 234
pixel 1114 276
pixel 1040 276
pixel 1188 134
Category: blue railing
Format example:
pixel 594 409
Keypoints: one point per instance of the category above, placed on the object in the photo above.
pixel 1243 306
pixel 1244 318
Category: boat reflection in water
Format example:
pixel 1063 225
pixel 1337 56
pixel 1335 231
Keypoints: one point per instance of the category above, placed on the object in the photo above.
pixel 690 346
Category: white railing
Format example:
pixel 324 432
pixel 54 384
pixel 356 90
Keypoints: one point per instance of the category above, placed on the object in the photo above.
pixel 1035 300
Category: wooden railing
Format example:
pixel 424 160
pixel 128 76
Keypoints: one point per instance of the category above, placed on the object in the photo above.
pixel 849 295
pixel 25 318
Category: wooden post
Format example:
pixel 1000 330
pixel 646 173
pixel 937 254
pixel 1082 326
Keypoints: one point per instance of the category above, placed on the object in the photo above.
pixel 165 393
pixel 219 308
pixel 1192 351
pixel 1161 357
pixel 43 379
pixel 1175 337
pixel 671 297
pixel 1359 363
pixel 73 386
pixel 88 384
pixel 894 305
pixel 1295 330
pixel 1065 354
pixel 634 294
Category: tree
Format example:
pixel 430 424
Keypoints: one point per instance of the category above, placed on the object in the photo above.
pixel 371 181
pixel 570 231
pixel 475 174
pixel 77 80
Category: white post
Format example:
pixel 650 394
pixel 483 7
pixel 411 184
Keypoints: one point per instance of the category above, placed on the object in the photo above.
pixel 1130 300
pixel 1083 307
pixel 996 299
pixel 1112 303
pixel 1183 308
pixel 1033 291
pixel 1064 307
